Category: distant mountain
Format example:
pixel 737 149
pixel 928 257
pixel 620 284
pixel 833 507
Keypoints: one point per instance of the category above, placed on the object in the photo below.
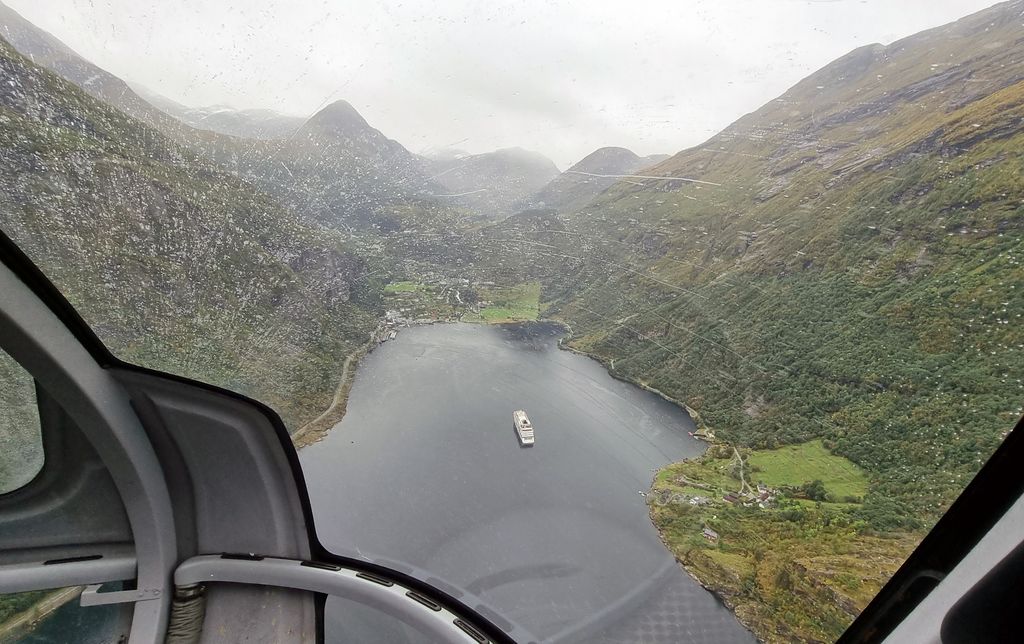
pixel 343 129
pixel 492 184
pixel 336 169
pixel 339 170
pixel 588 178
pixel 177 264
pixel 247 123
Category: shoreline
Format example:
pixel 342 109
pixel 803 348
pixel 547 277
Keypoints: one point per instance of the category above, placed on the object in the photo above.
pixel 701 431
pixel 705 434
pixel 25 621
pixel 317 429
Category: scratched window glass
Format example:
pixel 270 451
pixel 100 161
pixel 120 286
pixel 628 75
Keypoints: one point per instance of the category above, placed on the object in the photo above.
pixel 592 313
pixel 21 444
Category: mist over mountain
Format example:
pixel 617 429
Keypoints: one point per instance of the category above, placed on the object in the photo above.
pixel 44 49
pixel 245 123
pixel 591 176
pixel 492 184
pixel 840 267
pixel 334 168
pixel 339 170
pixel 232 153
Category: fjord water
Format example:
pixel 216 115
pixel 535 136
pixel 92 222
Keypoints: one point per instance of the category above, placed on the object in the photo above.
pixel 425 470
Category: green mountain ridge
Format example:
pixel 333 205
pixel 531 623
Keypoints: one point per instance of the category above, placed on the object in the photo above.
pixel 838 271
pixel 829 276
pixel 178 265
pixel 43 49
pixel 842 264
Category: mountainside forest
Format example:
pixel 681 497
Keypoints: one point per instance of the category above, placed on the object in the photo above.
pixel 177 264
pixel 837 273
pixel 842 264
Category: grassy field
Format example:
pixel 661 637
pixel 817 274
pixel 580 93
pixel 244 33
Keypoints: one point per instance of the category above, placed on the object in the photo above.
pixel 518 303
pixel 404 287
pixel 795 465
pixel 508 304
pixel 417 300
pixel 795 571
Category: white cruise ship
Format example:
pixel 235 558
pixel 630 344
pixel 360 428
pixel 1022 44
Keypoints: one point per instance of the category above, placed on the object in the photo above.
pixel 523 427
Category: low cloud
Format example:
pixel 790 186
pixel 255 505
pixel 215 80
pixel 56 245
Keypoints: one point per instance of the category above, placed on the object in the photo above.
pixel 560 78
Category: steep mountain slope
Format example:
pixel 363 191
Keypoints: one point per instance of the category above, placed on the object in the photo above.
pixel 590 177
pixel 176 264
pixel 44 49
pixel 493 184
pixel 847 222
pixel 246 124
pixel 239 155
pixel 843 263
pixel 335 169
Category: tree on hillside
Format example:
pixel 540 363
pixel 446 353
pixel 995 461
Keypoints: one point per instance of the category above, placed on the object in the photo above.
pixel 815 490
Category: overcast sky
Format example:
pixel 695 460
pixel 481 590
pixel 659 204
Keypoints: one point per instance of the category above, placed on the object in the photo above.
pixel 559 78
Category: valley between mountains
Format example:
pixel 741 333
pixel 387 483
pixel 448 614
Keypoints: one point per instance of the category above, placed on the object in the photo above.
pixel 832 285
